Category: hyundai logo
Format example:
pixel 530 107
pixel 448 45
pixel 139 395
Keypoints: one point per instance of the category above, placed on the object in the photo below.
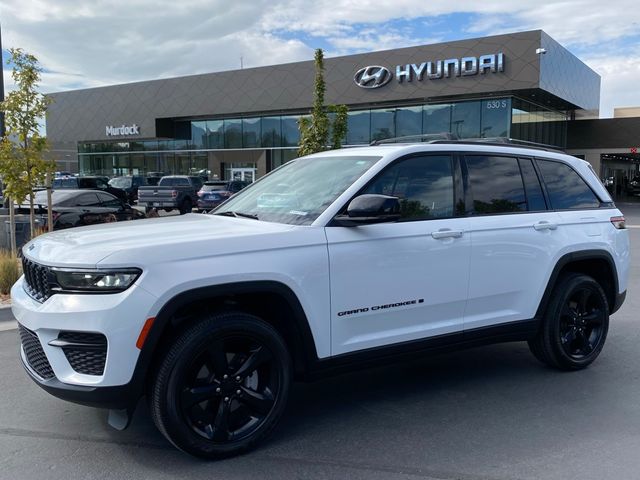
pixel 373 76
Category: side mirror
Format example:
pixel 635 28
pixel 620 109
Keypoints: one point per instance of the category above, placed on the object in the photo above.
pixel 370 208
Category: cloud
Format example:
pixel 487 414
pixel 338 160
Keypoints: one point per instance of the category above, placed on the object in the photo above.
pixel 85 44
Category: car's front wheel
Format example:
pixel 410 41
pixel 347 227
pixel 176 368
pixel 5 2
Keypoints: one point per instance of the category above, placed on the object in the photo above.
pixel 575 324
pixel 222 386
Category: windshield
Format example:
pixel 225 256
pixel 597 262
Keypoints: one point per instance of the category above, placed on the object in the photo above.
pixel 120 182
pixel 65 183
pixel 299 191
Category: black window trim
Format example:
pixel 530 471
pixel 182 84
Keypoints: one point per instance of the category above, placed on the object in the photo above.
pixel 455 171
pixel 601 203
pixel 469 194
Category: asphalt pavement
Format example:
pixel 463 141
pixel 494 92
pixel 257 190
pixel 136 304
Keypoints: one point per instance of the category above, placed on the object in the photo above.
pixel 487 413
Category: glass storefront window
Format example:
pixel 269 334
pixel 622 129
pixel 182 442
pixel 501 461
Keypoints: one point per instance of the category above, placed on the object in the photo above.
pixel 534 123
pixel 251 132
pixel 465 119
pixel 436 119
pixel 199 134
pixel 495 118
pixel 383 124
pixel 271 132
pixel 216 134
pixel 358 127
pixel 233 133
pixel 290 131
pixel 408 121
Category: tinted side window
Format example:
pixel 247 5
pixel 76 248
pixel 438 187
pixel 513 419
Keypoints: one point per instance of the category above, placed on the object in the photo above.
pixel 565 187
pixel 109 200
pixel 87 200
pixel 496 184
pixel 535 197
pixel 424 186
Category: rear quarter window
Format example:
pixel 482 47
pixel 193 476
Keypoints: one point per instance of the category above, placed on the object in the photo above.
pixel 566 189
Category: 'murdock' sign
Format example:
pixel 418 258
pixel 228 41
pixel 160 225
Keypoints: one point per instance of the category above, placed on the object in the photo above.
pixel 123 130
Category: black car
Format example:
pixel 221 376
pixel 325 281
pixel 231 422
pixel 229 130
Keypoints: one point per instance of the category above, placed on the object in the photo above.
pixel 214 192
pixel 75 208
pixel 129 184
pixel 90 182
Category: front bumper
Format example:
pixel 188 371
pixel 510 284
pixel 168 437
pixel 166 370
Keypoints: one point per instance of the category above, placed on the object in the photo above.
pixel 119 317
pixel 121 397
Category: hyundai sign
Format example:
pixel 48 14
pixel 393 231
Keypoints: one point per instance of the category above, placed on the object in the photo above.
pixel 375 76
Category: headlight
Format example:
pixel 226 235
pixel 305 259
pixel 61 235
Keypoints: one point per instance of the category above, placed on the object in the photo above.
pixel 108 281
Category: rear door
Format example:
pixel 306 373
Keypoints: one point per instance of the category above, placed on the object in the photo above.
pixel 514 238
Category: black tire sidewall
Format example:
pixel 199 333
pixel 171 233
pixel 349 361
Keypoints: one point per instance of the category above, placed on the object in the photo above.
pixel 170 375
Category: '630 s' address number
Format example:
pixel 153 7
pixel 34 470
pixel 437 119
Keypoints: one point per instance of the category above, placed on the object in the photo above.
pixel 492 104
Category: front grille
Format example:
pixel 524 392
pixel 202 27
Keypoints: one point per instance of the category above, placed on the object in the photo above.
pixel 36 357
pixel 36 280
pixel 86 353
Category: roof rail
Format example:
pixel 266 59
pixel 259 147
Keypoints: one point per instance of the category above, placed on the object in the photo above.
pixel 424 137
pixel 506 142
pixel 441 138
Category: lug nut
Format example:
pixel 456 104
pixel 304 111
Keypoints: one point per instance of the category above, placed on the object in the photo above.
pixel 238 392
pixel 226 399
pixel 238 378
pixel 218 390
pixel 225 376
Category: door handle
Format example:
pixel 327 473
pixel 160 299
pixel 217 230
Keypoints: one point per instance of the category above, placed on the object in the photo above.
pixel 446 233
pixel 545 226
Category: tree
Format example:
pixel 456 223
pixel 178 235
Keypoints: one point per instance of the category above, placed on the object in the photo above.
pixel 314 130
pixel 22 163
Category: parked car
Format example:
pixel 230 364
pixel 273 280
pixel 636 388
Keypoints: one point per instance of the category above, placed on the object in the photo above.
pixel 633 187
pixel 360 255
pixel 89 182
pixel 214 192
pixel 130 185
pixel 172 192
pixel 153 178
pixel 75 208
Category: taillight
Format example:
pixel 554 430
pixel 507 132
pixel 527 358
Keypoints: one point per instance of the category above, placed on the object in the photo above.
pixel 200 193
pixel 224 194
pixel 618 222
pixel 55 216
pixel 174 193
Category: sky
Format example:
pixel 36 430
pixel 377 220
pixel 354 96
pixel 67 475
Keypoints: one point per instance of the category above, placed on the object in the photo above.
pixel 89 43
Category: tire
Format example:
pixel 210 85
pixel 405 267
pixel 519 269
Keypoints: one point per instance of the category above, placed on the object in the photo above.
pixel 186 206
pixel 194 399
pixel 575 324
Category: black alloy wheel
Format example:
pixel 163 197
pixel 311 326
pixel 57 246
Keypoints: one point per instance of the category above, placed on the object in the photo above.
pixel 575 325
pixel 222 386
pixel 581 322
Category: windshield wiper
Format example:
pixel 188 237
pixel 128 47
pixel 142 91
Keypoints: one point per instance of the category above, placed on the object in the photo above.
pixel 238 214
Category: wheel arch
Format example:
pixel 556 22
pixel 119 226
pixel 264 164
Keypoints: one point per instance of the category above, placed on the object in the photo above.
pixel 598 264
pixel 273 301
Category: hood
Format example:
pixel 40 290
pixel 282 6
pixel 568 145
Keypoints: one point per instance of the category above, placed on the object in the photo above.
pixel 175 236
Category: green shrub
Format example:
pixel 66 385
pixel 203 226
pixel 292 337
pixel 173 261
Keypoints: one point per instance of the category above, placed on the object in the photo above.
pixel 9 271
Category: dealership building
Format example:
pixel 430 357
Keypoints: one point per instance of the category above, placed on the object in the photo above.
pixel 243 123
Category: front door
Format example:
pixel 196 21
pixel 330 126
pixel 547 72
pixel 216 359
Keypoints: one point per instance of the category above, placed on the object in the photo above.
pixel 406 280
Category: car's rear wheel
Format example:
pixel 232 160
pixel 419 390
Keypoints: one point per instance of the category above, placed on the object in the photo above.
pixel 186 206
pixel 222 386
pixel 575 325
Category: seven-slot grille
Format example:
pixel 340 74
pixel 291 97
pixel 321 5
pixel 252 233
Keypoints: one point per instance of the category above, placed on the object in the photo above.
pixel 34 354
pixel 36 280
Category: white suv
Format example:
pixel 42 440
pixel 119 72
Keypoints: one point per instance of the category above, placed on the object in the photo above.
pixel 332 261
